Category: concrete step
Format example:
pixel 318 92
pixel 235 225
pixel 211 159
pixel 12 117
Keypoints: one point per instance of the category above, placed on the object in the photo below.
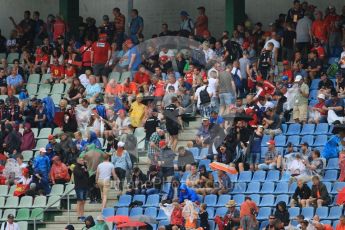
pixel 73 217
pixel 59 226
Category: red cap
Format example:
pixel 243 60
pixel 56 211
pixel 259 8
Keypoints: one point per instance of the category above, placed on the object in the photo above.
pixel 102 36
pixel 206 33
pixel 162 143
pixel 128 42
pixel 50 137
pixel 121 111
pixel 164 58
pixel 285 62
pixel 271 142
pixel 25 171
pixel 245 45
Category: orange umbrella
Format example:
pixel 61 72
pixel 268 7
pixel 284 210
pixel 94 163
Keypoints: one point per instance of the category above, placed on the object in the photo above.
pixel 131 224
pixel 222 167
pixel 117 219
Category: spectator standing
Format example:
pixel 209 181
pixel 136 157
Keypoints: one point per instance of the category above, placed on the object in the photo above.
pixel 104 171
pixel 81 183
pixel 42 163
pixel 108 28
pixel 201 23
pixel 319 195
pixel 203 97
pixel 300 109
pixel 137 111
pixel 119 21
pixel 28 138
pixel 122 163
pixel 186 25
pixel 59 27
pixel 295 13
pixel 100 57
pixel 166 160
pixel 265 60
pixel 136 26
pixel 134 56
pixel 303 34
pixel 171 113
pixel 232 216
pixel 9 224
pixel 248 214
pixel 226 91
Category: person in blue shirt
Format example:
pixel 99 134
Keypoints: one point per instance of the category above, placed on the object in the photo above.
pixel 136 26
pixel 134 56
pixel 42 163
pixel 216 119
pixel 187 193
pixel 14 81
pixel 92 139
pixel 79 141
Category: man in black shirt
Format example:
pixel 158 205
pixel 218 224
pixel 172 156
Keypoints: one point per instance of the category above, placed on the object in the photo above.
pixel 265 60
pixel 81 184
pixel 325 85
pixel 288 42
pixel 171 113
pixel 295 13
pixel 165 31
pixel 340 84
pixel 314 65
pixel 151 124
pixel 2 43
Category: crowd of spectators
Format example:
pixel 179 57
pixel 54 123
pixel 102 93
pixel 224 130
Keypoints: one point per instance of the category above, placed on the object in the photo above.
pixel 245 86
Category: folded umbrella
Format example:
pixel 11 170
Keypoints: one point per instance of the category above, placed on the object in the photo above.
pixel 222 167
pixel 144 218
pixel 131 224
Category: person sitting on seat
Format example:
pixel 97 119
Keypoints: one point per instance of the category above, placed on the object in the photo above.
pixel 319 194
pixel 301 194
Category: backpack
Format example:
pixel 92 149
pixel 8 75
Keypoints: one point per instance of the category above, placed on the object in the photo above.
pixel 204 96
pixel 198 57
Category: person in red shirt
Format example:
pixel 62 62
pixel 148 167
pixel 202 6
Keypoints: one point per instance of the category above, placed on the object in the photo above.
pixel 70 73
pixel 266 88
pixel 157 87
pixel 100 57
pixel 332 20
pixel 42 60
pixel 319 49
pixel 287 71
pixel 59 171
pixel 57 72
pixel 317 114
pixel 318 28
pixel 59 28
pixel 85 52
pixel 176 215
pixel 142 78
pixel 201 23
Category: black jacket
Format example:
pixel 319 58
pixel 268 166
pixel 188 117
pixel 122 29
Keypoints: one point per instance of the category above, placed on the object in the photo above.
pixel 284 215
pixel 323 193
pixel 81 176
pixel 302 193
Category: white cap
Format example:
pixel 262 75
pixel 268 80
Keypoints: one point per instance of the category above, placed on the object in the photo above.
pixel 298 78
pixel 43 150
pixel 120 144
pixel 100 218
pixel 322 96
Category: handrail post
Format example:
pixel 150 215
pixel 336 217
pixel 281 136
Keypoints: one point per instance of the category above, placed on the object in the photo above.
pixel 34 222
pixel 68 209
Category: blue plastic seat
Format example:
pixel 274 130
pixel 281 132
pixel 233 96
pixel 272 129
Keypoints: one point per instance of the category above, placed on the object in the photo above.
pixel 285 177
pixel 255 198
pixel 330 175
pixel 136 211
pixel 284 128
pixel 267 188
pixel 312 103
pixel 195 152
pixel 201 198
pixel 222 200
pixel 263 153
pixel 122 211
pixel 282 197
pixel 282 187
pixel 245 176
pixel 164 222
pixel 152 201
pixel 309 139
pixel 240 187
pixel 313 95
pixel 294 129
pixel 210 211
pixel 161 215
pixel 106 212
pixel 212 224
pixel 280 140
pixel 295 211
pixel 322 212
pixel 215 176
pixel 238 198
pixel 259 176
pixel 335 223
pixel 264 224
pixel 337 186
pixel 292 187
pixel 267 200
pixel 333 163
pixel 320 140
pixel 184 177
pixel 264 213
pixel 294 139
pixel 308 212
pixel 166 188
pixel 253 187
pixel 124 201
pixel 210 200
pixel 314 84
pixel 334 213
pixel 307 129
pixel 329 222
pixel 321 128
pixel 328 186
pixel 264 140
pixel 273 175
pixel 138 197
pixel 203 153
pixel 233 177
pixel 221 211
pixel 151 211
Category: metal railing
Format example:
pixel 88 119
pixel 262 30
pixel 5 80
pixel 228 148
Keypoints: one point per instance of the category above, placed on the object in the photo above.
pixel 68 207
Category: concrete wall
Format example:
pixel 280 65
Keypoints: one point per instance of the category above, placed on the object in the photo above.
pixel 155 12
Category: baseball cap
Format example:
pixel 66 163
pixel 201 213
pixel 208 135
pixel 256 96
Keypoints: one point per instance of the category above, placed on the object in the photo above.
pixel 321 96
pixel 298 78
pixel 184 13
pixel 120 144
pixel 10 216
pixel 43 150
pixel 201 8
pixel 271 142
pixel 121 111
pixel 105 17
pixel 69 227
pixel 285 62
pixel 205 119
pixel 50 137
pixel 155 110
pixel 164 58
pixel 162 143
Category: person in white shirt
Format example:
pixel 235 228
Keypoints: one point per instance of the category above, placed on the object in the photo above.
pixel 172 82
pixel 209 53
pixel 104 171
pixel 84 78
pixel 204 107
pixel 10 224
pixel 167 52
pixel 342 58
pixel 276 47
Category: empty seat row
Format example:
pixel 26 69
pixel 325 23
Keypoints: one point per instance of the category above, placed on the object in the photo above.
pixel 296 140
pixel 307 129
pixel 45 89
pixel 56 190
pixel 23 214
pixel 14 202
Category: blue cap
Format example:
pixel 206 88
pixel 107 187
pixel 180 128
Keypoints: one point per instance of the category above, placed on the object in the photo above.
pixel 184 13
pixel 285 78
